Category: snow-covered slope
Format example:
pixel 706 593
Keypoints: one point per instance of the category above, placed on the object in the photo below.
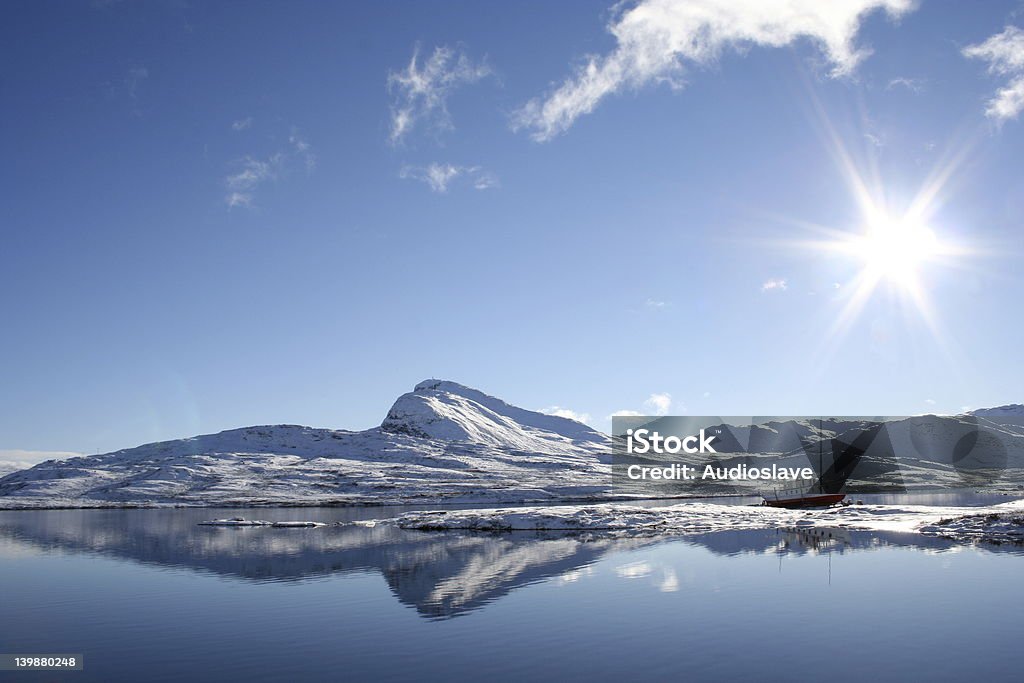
pixel 1011 410
pixel 441 442
pixel 448 443
pixel 439 409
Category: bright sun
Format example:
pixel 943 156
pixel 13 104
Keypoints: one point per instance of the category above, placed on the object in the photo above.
pixel 894 250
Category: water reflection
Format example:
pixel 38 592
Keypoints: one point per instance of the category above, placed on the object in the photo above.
pixel 440 575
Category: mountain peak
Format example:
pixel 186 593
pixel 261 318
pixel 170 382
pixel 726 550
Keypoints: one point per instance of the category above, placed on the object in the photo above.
pixel 442 409
pixel 447 386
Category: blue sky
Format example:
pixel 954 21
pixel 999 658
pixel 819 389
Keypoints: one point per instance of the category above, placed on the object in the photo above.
pixel 223 214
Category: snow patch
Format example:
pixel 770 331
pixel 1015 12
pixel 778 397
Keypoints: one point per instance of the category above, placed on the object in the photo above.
pixel 997 523
pixel 240 521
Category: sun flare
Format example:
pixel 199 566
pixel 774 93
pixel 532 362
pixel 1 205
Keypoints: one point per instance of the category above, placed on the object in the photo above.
pixel 895 250
pixel 892 252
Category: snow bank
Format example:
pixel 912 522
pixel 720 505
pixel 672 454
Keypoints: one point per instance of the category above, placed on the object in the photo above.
pixel 239 521
pixel 998 524
pixel 691 517
pixel 235 521
pixel 995 523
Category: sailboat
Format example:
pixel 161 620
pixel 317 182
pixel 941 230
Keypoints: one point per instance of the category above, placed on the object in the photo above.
pixel 799 497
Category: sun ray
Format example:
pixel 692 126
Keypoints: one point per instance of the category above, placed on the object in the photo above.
pixel 895 246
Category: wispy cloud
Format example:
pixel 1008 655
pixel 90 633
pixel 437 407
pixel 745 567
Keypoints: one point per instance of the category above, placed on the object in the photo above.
pixel 930 401
pixel 484 180
pixel 302 150
pixel 241 124
pixel 656 404
pixel 420 91
pixel 251 172
pixel 874 139
pixel 914 85
pixel 659 404
pixel 439 177
pixel 566 412
pixel 774 285
pixel 655 304
pixel 1004 53
pixel 658 39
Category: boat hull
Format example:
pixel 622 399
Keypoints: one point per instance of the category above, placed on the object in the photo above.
pixel 812 501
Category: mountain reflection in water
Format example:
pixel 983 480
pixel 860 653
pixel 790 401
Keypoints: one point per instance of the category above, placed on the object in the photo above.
pixel 440 575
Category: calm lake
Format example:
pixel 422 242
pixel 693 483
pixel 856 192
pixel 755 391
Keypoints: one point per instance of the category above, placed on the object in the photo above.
pixel 149 595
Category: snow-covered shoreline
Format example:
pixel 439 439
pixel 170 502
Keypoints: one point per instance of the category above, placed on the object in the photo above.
pixel 445 446
pixel 1001 523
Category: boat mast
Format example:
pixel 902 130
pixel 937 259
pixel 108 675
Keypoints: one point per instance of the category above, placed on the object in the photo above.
pixel 821 466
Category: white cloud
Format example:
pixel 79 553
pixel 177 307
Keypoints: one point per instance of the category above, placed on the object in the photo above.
pixel 439 177
pixel 241 124
pixel 13 459
pixel 655 304
pixel 238 200
pixel 658 39
pixel 659 404
pixel 302 149
pixel 1004 53
pixel 930 401
pixel 566 412
pixel 774 285
pixel 420 91
pixel 656 404
pixel 485 180
pixel 251 172
pixel 914 85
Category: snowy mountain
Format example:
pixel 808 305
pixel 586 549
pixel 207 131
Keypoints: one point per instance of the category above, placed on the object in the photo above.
pixel 1012 410
pixel 447 443
pixel 441 442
